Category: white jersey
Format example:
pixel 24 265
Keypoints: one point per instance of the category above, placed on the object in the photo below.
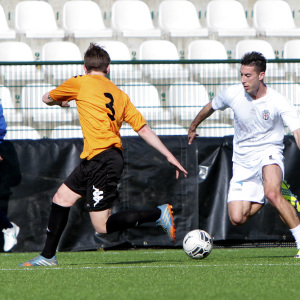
pixel 258 124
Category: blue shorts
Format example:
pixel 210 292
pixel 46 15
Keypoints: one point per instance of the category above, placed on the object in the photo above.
pixel 97 179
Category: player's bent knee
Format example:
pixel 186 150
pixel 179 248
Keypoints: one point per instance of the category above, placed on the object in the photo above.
pixel 100 229
pixel 99 220
pixel 273 198
pixel 61 201
pixel 233 222
pixel 237 220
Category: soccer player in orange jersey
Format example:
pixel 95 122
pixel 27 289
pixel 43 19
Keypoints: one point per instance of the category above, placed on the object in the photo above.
pixel 102 108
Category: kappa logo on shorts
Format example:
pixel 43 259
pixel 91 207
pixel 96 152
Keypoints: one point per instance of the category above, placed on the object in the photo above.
pixel 97 195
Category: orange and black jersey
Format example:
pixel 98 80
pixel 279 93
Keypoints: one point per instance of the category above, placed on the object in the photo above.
pixel 102 107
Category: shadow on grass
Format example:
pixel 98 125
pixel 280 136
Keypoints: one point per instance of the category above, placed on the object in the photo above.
pixel 141 262
pixel 131 262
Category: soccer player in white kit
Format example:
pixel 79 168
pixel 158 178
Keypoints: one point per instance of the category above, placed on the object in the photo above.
pixel 258 162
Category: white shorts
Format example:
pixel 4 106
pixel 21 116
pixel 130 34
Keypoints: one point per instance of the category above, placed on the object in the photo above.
pixel 246 184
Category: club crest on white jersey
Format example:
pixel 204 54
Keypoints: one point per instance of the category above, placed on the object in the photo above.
pixel 97 196
pixel 266 114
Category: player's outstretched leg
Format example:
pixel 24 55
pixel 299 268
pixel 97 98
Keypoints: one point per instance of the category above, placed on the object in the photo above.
pixel 40 261
pixel 289 196
pixel 166 220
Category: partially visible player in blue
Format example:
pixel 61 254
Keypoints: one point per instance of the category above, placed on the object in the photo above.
pixel 258 163
pixel 102 108
pixel 10 230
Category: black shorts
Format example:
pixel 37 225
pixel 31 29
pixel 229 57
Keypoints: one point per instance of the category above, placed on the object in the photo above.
pixel 97 179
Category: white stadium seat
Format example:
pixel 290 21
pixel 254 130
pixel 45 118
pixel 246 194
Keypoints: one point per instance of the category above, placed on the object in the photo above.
pixel 133 19
pixel 291 50
pixel 261 46
pixel 274 18
pixel 18 52
pixel 21 133
pixel 83 19
pixel 118 51
pixel 11 113
pixel 227 18
pixel 5 31
pixel 186 99
pixel 161 50
pixel 62 51
pixel 180 19
pixel 146 99
pixel 209 50
pixel 36 19
pixel 15 51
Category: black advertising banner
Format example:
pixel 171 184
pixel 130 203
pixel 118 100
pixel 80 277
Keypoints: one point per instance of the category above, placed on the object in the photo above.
pixel 34 170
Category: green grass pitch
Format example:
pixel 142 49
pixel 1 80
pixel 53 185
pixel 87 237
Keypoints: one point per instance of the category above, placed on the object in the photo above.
pixel 256 273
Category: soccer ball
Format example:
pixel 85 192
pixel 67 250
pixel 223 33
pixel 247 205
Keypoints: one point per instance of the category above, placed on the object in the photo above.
pixel 197 244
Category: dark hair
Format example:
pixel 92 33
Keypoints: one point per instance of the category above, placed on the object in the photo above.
pixel 255 59
pixel 96 59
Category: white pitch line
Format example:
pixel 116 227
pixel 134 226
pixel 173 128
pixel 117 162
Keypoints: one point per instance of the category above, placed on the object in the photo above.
pixel 142 267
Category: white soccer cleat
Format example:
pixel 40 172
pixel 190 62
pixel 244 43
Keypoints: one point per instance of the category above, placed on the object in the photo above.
pixel 10 237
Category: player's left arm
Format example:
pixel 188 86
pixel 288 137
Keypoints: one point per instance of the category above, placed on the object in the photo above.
pixel 49 101
pixel 296 134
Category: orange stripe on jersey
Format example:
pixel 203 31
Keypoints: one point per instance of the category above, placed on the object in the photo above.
pixel 102 108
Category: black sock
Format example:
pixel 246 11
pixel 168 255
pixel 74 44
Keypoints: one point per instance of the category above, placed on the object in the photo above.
pixel 130 218
pixel 58 220
pixel 4 222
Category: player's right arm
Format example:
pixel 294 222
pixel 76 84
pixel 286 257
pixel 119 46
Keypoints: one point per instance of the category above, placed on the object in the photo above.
pixel 135 119
pixel 65 92
pixel 204 113
pixel 49 101
pixel 150 137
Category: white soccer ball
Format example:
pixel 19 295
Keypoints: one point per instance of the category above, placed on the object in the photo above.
pixel 197 244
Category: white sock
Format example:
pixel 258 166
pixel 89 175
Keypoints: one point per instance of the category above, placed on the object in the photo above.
pixel 296 233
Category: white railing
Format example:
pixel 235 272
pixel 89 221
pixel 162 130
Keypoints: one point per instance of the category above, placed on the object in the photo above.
pixel 169 94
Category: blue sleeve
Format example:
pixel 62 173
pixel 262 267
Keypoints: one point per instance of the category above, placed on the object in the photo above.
pixel 2 124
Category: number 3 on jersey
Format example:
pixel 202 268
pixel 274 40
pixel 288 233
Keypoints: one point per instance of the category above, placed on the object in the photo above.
pixel 110 105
